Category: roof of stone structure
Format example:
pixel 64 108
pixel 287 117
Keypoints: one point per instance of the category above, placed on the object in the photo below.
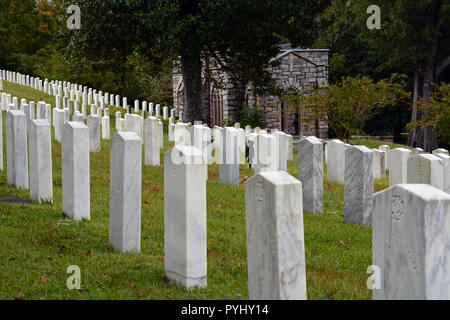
pixel 286 49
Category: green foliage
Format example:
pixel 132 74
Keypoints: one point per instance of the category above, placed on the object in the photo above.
pixel 408 32
pixel 350 103
pixel 254 117
pixel 239 36
pixel 340 33
pixel 27 29
pixel 437 113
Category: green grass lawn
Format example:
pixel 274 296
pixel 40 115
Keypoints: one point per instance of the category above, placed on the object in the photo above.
pixel 37 243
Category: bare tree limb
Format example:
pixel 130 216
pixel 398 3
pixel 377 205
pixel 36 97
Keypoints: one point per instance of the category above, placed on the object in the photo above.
pixel 442 66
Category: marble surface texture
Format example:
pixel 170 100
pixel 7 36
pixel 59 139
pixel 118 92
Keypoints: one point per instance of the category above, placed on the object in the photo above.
pixel 106 130
pixel 446 162
pixel 335 161
pixel 310 173
pixel 229 169
pixel 283 149
pixel 41 182
pixel 275 239
pixel 426 168
pixel 60 120
pixel 152 153
pixel 125 192
pixel 181 135
pixel 387 151
pixel 398 167
pixel 16 149
pixel 359 185
pixel 440 150
pixel 75 170
pixel 185 234
pixel 379 169
pixel 93 122
pixel 266 153
pixel 411 237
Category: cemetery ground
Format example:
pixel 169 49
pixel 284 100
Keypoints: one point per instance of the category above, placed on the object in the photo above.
pixel 37 243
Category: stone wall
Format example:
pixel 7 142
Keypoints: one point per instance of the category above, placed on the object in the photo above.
pixel 294 71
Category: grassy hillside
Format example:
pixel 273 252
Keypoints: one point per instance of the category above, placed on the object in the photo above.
pixel 37 243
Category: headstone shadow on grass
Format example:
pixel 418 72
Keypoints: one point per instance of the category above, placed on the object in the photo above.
pixel 15 201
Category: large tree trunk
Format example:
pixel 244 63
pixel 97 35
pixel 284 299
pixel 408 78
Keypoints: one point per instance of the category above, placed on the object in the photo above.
pixel 191 68
pixel 425 138
pixel 240 98
pixel 424 76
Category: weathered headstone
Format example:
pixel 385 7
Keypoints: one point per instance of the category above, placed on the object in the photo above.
pixel 125 192
pixel 16 149
pixel 379 162
pixel 335 161
pixel 275 240
pixel 265 153
pixel 118 115
pixel 446 161
pixel 440 150
pixel 185 238
pixel 171 129
pixel 387 156
pixel 161 135
pixel 106 129
pixel 229 169
pixel 290 147
pixel 358 197
pixel 182 135
pixel 41 183
pixel 310 173
pixel 41 111
pixel 410 243
pixel 75 170
pixel 93 122
pixel 152 153
pixel 417 151
pixel 426 168
pixel 77 116
pixel 60 120
pixel 283 149
pixel 398 168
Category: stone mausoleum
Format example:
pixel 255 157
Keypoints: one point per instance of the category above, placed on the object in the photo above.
pixel 297 69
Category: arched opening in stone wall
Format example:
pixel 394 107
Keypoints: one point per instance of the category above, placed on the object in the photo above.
pixel 289 120
pixel 217 107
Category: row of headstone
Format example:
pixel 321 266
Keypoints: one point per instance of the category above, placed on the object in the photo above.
pixel 185 247
pixel 274 209
pixel 77 94
pixel 228 147
pixel 414 166
pixel 29 164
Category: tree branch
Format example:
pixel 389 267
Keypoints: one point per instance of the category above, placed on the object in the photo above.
pixel 442 65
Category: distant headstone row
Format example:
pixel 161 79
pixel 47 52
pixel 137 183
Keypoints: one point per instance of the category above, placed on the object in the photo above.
pixel 410 222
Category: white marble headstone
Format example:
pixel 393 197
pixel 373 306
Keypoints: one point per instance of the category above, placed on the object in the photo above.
pixel 275 240
pixel 410 232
